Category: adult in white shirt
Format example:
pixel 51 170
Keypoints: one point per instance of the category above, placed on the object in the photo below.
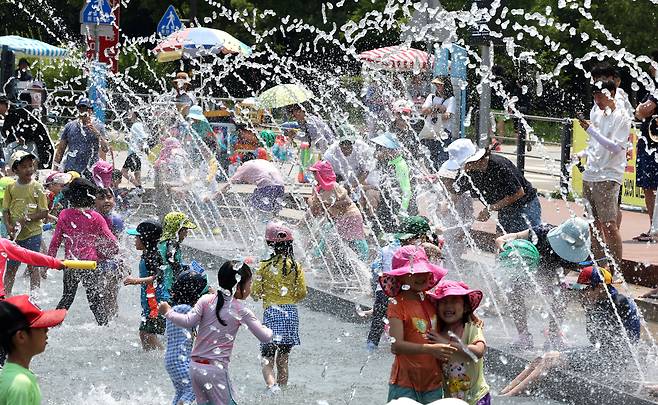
pixel 352 160
pixel 440 111
pixel 606 163
pixel 136 146
pixel 605 72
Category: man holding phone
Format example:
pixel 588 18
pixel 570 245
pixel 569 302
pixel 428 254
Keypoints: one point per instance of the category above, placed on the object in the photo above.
pixel 83 140
pixel 606 163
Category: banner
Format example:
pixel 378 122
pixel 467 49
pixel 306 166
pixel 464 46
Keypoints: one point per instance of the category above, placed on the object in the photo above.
pixel 631 194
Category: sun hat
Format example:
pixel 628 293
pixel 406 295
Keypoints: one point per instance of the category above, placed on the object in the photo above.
pixel 174 222
pixel 458 151
pixel 438 80
pixel 58 178
pixel 448 288
pixel 402 107
pixel 412 226
pixel 277 232
pixel 570 240
pixel 18 156
pixel 182 77
pixel 447 173
pixel 326 176
pixel 148 231
pixel 196 113
pixel 347 132
pixel 409 259
pixel 101 173
pixel 36 318
pixel 592 276
pixel 519 253
pixel 387 140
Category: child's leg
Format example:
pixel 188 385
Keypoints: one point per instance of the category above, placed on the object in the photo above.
pixel 35 277
pixel 268 353
pixel 10 276
pixel 282 367
pixel 378 314
pixel 150 341
pixel 71 281
pixel 96 295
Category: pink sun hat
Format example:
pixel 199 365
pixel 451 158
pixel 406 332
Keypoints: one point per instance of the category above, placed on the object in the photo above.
pixel 102 173
pixel 409 259
pixel 448 288
pixel 277 232
pixel 326 176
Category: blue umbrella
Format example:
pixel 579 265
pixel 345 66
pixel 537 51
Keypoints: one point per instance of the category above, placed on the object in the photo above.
pixel 32 47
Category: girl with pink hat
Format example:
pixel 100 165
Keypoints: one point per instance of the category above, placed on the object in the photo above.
pixel 279 282
pixel 331 197
pixel 463 374
pixel 416 371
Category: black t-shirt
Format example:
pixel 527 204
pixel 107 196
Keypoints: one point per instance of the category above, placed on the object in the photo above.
pixel 499 180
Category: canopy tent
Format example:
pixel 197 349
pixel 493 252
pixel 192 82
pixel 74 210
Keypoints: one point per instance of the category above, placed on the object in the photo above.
pixel 198 41
pixel 397 58
pixel 32 47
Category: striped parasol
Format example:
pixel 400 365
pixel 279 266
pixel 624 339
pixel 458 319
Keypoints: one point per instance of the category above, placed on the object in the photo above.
pixel 32 47
pixel 197 41
pixel 397 58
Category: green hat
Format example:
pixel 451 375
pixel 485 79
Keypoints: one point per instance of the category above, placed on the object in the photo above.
pixel 268 137
pixel 413 226
pixel 519 253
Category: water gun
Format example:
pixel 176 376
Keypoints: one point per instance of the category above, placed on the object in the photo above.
pixel 151 301
pixel 305 160
pixel 80 264
pixel 197 268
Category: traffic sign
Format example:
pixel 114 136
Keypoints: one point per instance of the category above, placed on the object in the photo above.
pixel 169 23
pixel 97 12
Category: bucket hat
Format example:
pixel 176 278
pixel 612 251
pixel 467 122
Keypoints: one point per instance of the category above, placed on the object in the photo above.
pixel 277 232
pixel 570 240
pixel 326 176
pixel 387 140
pixel 196 113
pixel 458 151
pixel 448 288
pixel 409 259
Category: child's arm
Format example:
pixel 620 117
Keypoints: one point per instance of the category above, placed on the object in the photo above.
pixel 189 320
pixel 478 349
pixel 262 332
pixel 439 350
pixel 57 235
pixel 138 280
pixel 6 218
pixel 15 252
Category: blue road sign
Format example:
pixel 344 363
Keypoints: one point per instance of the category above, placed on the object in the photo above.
pixel 97 12
pixel 169 23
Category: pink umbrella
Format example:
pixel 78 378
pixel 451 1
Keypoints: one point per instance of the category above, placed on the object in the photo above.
pixel 397 58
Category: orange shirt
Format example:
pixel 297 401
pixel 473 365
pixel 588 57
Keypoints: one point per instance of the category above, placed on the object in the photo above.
pixel 421 372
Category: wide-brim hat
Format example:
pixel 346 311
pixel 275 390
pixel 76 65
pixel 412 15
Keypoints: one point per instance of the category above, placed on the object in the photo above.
pixel 571 240
pixel 387 140
pixel 446 171
pixel 277 232
pixel 458 151
pixel 409 259
pixel 479 154
pixel 448 288
pixel 196 112
pixel 438 80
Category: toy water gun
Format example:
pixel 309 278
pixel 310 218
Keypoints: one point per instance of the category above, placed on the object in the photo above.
pixel 290 125
pixel 197 268
pixel 305 161
pixel 151 301
pixel 80 264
